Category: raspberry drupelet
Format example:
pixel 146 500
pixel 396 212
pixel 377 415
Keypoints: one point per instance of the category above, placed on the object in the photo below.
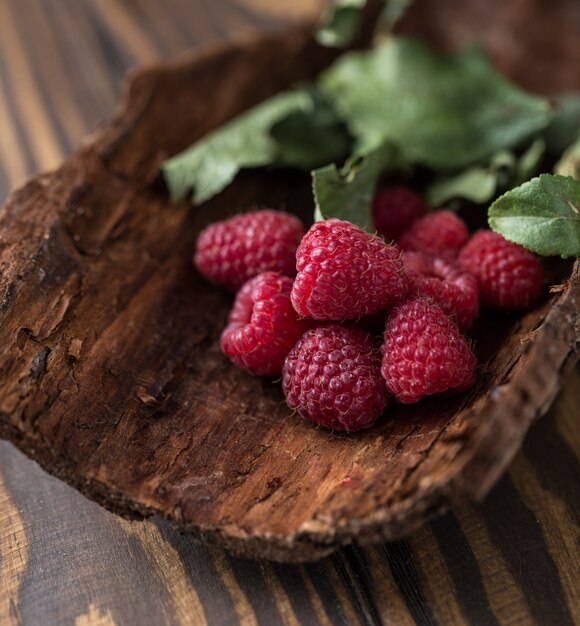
pixel 232 251
pixel 263 325
pixel 332 377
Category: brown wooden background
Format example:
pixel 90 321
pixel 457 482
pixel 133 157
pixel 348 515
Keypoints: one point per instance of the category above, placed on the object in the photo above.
pixel 64 560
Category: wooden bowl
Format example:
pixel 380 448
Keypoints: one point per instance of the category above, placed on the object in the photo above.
pixel 111 375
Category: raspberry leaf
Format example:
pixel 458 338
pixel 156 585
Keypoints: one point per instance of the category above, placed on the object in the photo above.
pixel 482 183
pixel 530 162
pixel 565 127
pixel 393 11
pixel 542 215
pixel 569 164
pixel 347 193
pixel 341 23
pixel 445 112
pixel 312 136
pixel 476 184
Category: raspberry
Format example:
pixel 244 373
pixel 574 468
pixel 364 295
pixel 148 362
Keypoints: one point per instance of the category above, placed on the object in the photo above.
pixel 442 234
pixel 230 252
pixel 345 273
pixel 424 352
pixel 395 208
pixel 509 276
pixel 332 377
pixel 454 290
pixel 263 325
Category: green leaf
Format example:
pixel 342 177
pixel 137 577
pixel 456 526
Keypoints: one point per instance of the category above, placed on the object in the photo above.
pixel 445 112
pixel 261 136
pixel 480 184
pixel 543 215
pixel 476 184
pixel 569 164
pixel 310 139
pixel 530 161
pixel 565 127
pixel 392 13
pixel 347 193
pixel 341 23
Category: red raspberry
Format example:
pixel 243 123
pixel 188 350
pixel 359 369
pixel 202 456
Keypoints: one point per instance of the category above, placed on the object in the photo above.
pixel 395 208
pixel 345 273
pixel 424 353
pixel 442 234
pixel 509 276
pixel 231 252
pixel 263 325
pixel 454 290
pixel 332 377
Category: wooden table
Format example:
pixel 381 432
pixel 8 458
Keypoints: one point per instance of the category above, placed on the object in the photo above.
pixel 64 560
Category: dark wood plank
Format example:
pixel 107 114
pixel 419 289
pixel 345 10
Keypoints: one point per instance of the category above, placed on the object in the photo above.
pixel 63 560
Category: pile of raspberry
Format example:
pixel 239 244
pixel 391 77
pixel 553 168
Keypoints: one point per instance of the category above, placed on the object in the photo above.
pixel 352 321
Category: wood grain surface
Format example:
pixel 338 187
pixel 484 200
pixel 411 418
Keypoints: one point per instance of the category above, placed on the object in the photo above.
pixel 64 560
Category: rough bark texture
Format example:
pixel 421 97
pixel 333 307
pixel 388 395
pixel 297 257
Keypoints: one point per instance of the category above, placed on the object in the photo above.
pixel 110 371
